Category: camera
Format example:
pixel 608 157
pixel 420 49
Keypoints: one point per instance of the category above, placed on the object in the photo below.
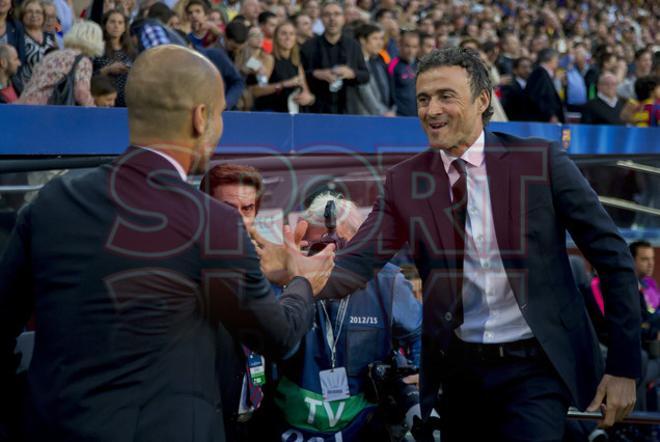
pixel 387 388
pixel 330 236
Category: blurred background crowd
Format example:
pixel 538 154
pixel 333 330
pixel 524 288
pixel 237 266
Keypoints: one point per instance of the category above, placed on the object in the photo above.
pixel 589 61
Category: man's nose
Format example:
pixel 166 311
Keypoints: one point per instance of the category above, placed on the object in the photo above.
pixel 436 107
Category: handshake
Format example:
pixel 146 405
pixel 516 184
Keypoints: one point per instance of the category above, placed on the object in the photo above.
pixel 280 263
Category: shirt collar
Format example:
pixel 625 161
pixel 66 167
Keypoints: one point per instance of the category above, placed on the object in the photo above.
pixel 175 163
pixel 611 102
pixel 474 155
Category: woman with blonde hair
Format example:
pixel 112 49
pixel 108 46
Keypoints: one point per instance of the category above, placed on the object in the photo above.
pixel 83 42
pixel 285 74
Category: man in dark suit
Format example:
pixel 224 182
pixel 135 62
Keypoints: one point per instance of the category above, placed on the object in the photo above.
pixel 515 102
pixel 546 104
pixel 606 107
pixel 129 271
pixel 485 215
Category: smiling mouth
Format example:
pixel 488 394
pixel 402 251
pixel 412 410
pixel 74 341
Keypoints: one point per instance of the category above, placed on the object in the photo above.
pixel 437 125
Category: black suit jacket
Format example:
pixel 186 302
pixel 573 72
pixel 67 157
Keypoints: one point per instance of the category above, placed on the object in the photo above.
pixel 544 97
pixel 516 102
pixel 129 271
pixel 537 194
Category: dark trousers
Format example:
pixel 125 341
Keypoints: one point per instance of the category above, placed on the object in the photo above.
pixel 502 393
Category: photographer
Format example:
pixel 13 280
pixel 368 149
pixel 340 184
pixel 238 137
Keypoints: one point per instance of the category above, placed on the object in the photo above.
pixel 322 388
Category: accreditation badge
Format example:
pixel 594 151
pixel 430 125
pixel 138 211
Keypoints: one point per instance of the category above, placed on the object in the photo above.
pixel 334 384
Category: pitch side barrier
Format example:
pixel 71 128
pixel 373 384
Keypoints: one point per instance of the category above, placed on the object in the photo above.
pixel 56 130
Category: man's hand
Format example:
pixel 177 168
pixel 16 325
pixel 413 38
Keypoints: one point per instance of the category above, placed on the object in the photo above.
pixel 325 75
pixel 619 394
pixel 315 268
pixel 344 71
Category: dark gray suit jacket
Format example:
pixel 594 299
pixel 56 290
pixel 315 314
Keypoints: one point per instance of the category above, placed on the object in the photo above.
pixel 537 195
pixel 129 271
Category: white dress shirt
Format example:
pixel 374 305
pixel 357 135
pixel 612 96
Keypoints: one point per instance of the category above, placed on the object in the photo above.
pixel 172 161
pixel 491 313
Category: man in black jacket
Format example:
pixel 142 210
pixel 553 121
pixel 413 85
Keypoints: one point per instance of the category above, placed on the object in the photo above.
pixel 606 107
pixel 129 271
pixel 547 106
pixel 332 61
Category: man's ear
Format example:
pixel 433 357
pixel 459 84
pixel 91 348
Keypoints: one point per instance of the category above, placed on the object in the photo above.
pixel 484 100
pixel 200 119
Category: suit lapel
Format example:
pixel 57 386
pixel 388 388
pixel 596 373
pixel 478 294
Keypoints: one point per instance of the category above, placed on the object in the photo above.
pixel 440 204
pixel 497 168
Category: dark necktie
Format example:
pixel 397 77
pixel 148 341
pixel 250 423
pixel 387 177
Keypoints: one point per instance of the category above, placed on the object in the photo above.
pixel 459 213
pixel 255 393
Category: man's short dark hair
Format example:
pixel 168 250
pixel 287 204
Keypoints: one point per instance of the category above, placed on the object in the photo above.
pixel 160 11
pixel 264 17
pixel 327 3
pixel 645 86
pixel 381 12
pixel 423 36
pixel 636 245
pixel 237 31
pixel 469 60
pixel 102 85
pixel 367 29
pixel 545 55
pixel 640 52
pixel 205 6
pixel 232 174
pixel 410 33
pixel 517 61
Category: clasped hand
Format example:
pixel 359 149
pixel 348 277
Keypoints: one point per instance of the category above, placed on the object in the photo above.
pixel 280 263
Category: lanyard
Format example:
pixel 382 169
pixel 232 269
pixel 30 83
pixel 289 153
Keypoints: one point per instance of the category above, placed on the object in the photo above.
pixel 329 333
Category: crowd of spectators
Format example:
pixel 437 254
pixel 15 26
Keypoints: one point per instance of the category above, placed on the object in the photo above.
pixel 592 61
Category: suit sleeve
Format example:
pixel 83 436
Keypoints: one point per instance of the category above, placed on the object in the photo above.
pixel 243 300
pixel 16 304
pixel 234 83
pixel 407 317
pixel 358 65
pixel 378 239
pixel 597 238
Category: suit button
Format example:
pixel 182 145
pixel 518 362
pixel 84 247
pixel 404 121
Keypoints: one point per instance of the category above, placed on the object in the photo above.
pixel 448 316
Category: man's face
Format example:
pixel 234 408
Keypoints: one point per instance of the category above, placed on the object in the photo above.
pixel 449 114
pixel 251 10
pixel 11 65
pixel 312 9
pixel 50 18
pixel 607 86
pixel 409 47
pixel 268 28
pixel 643 65
pixel 644 261
pixel 374 43
pixel 333 19
pixel 511 45
pixel 197 16
pixel 241 197
pixel 304 26
pixel 524 69
pixel 428 45
pixel 107 100
pixel 427 26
